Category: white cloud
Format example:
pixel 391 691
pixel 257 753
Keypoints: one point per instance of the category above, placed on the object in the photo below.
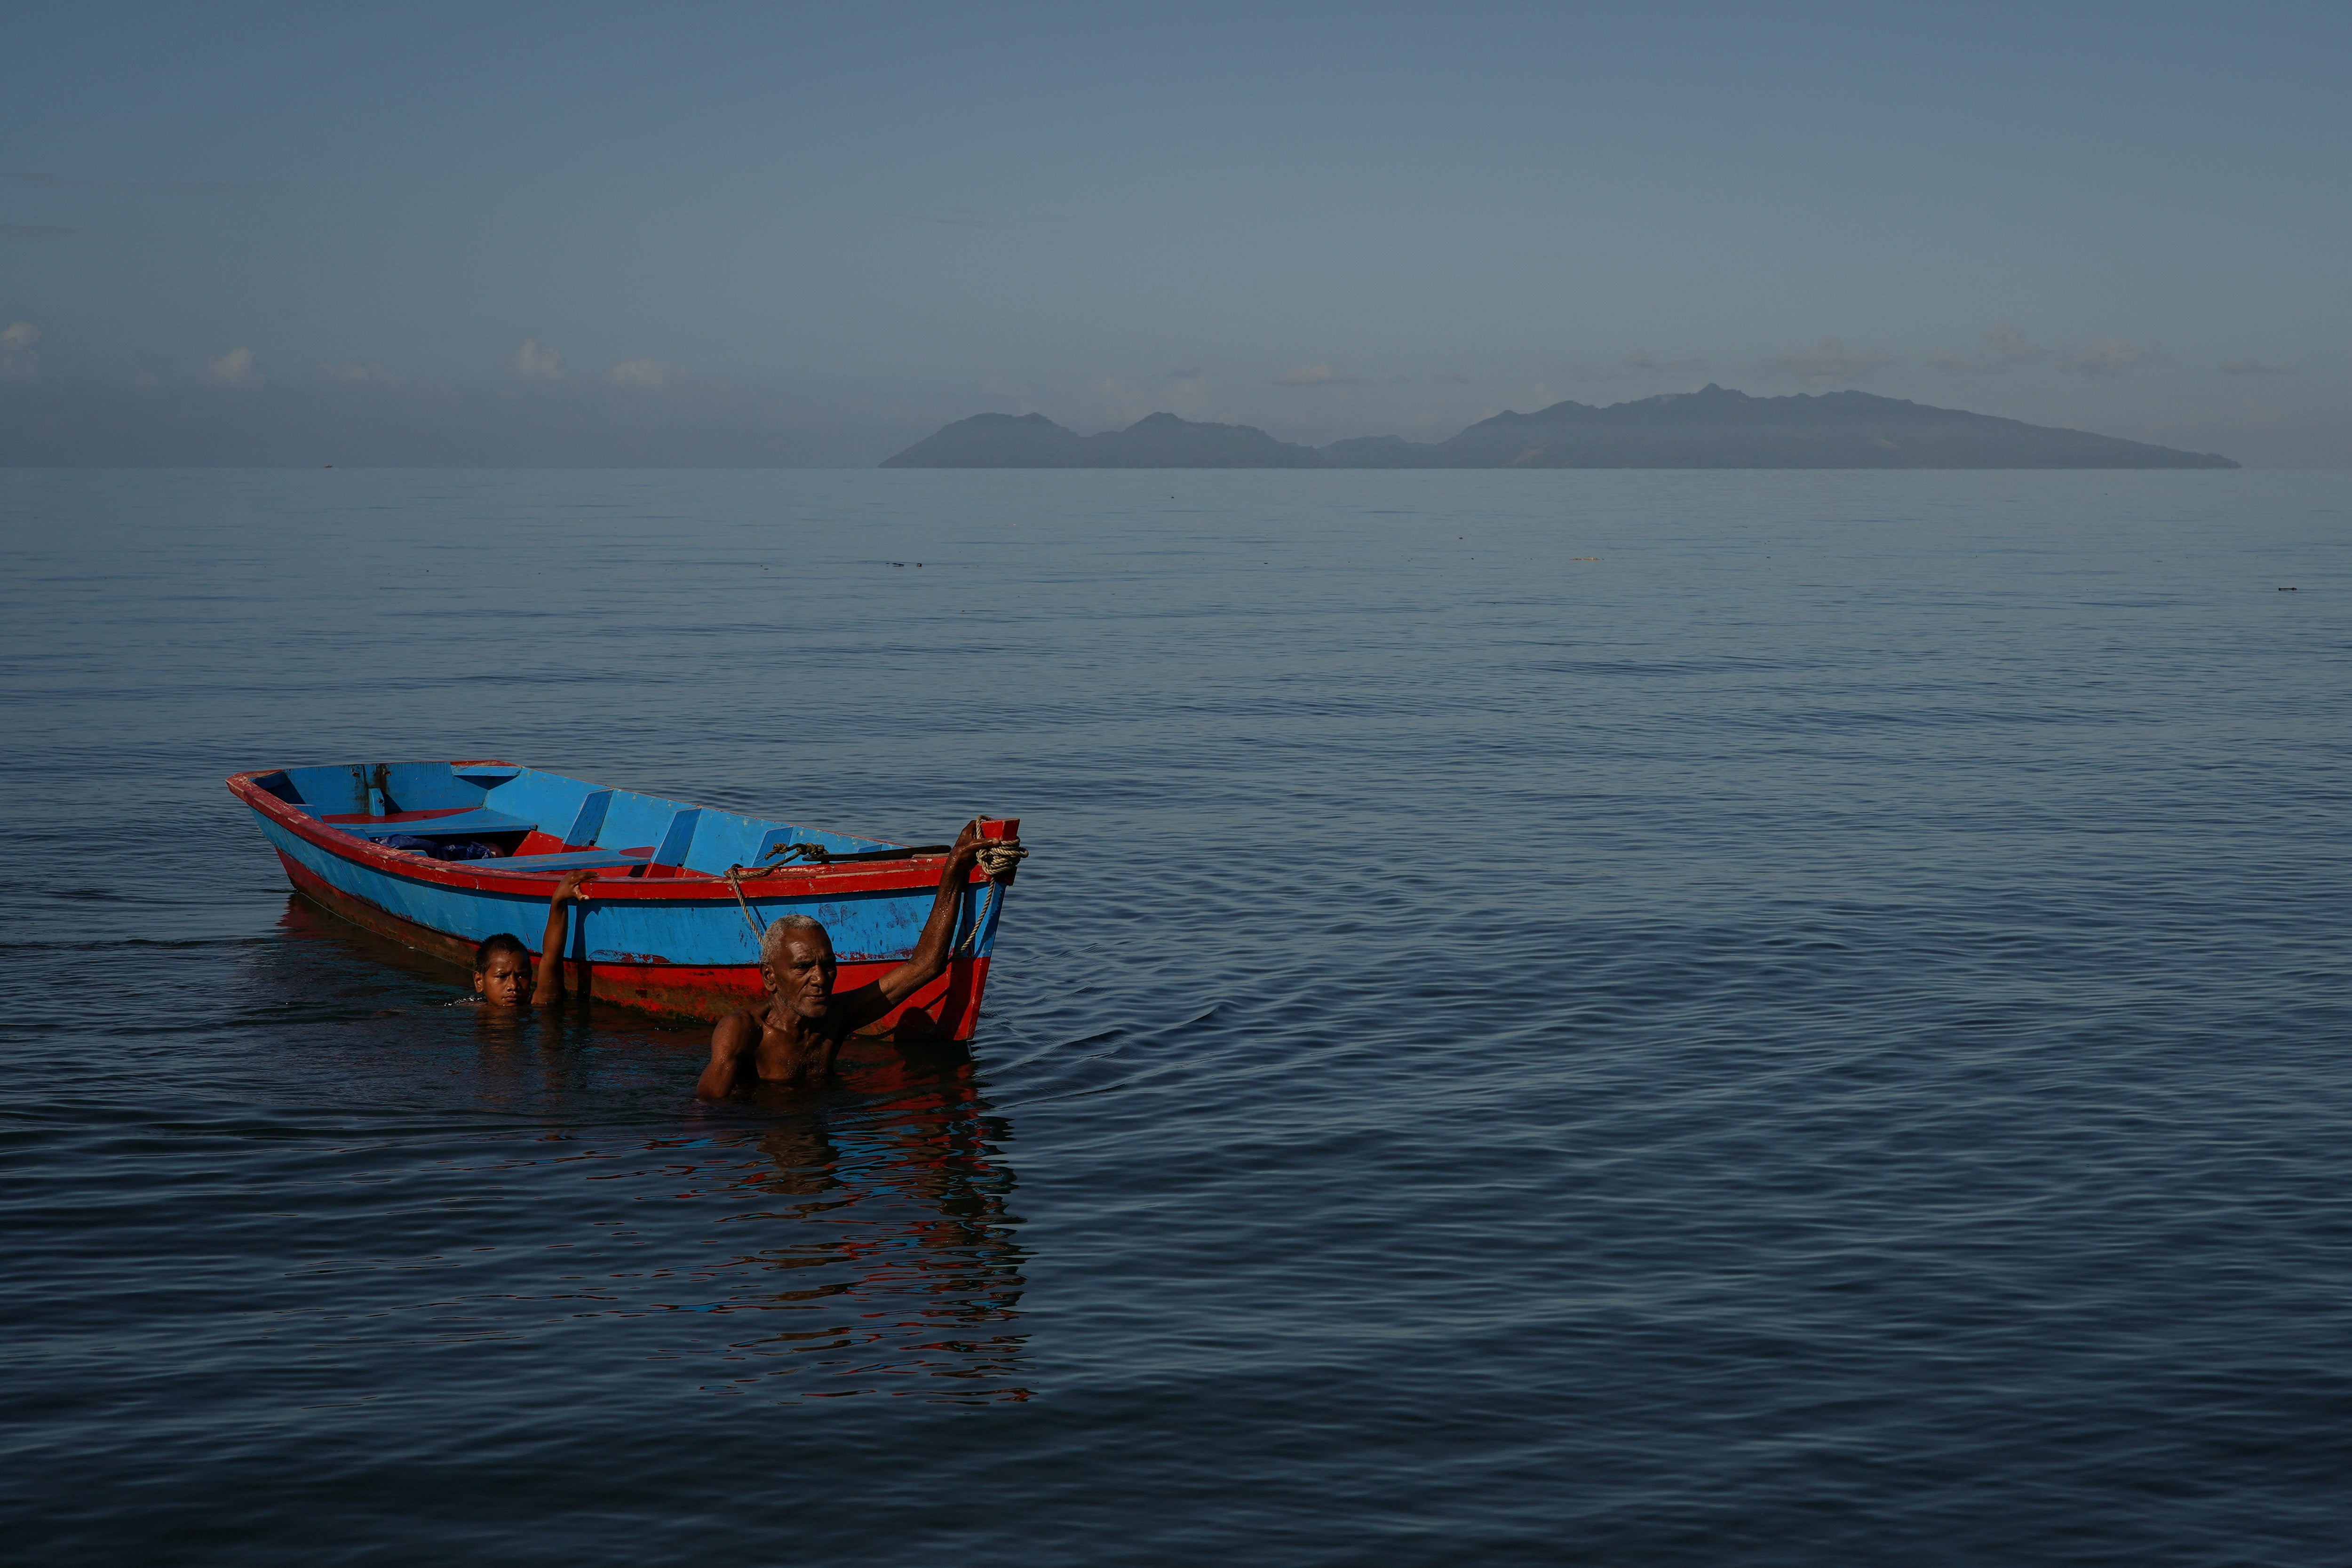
pixel 234 368
pixel 1111 403
pixel 2108 356
pixel 533 363
pixel 18 361
pixel 1011 392
pixel 1639 365
pixel 349 374
pixel 1830 362
pixel 2255 367
pixel 2007 343
pixel 2005 348
pixel 1317 375
pixel 640 374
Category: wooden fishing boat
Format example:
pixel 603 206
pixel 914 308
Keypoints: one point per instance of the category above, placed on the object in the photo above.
pixel 671 925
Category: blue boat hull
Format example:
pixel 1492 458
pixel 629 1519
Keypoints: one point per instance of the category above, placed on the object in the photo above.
pixel 663 929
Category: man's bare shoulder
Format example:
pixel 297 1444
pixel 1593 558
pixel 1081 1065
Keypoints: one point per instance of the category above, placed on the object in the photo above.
pixel 742 1028
pixel 734 1047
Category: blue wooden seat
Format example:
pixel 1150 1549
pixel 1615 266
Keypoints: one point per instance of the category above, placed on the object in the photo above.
pixel 460 825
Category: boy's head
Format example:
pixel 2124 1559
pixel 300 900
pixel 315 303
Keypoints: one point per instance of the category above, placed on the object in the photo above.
pixel 502 975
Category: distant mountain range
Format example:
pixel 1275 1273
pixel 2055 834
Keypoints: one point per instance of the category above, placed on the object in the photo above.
pixel 1712 428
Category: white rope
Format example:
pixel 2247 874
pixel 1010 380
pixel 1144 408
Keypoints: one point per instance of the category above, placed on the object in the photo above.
pixel 1000 856
pixel 996 890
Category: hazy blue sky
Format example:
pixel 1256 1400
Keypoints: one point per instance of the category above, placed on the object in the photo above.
pixel 832 228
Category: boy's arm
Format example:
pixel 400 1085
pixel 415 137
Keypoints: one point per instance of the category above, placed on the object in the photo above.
pixel 550 984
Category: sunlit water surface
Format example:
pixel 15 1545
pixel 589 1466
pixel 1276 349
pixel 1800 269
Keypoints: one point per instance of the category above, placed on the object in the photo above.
pixel 1630 1019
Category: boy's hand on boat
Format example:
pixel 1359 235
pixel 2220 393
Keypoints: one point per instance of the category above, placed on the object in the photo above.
pixel 570 887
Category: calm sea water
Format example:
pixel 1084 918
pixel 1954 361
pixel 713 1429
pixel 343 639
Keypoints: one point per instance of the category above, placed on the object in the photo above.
pixel 1628 1018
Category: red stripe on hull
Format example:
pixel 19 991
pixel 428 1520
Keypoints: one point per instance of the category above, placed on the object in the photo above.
pixel 948 1008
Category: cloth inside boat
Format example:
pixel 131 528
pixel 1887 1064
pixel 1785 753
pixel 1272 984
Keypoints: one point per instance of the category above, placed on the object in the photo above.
pixel 441 848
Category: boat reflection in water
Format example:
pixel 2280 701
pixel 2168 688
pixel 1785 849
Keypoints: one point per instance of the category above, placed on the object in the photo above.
pixel 791 1245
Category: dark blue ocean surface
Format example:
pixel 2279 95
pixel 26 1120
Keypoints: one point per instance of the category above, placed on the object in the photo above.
pixel 1555 1017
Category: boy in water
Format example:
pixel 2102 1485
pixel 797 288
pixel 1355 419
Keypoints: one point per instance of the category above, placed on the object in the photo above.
pixel 502 964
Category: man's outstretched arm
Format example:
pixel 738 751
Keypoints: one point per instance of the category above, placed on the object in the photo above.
pixel 733 1044
pixel 930 956
pixel 550 983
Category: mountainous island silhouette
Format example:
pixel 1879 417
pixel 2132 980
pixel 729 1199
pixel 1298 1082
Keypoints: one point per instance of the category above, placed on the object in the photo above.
pixel 1714 427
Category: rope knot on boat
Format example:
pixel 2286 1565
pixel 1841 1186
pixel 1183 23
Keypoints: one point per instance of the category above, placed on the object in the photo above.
pixel 998 857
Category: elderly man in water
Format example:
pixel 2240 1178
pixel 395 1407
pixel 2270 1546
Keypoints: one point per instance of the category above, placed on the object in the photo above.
pixel 793 1036
pixel 502 964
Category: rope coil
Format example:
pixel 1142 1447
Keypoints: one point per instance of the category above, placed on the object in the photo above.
pixel 998 857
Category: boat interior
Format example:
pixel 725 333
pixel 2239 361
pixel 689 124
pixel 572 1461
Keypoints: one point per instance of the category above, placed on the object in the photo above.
pixel 534 822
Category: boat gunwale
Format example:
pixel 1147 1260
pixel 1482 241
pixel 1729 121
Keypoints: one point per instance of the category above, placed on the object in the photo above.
pixel 797 882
